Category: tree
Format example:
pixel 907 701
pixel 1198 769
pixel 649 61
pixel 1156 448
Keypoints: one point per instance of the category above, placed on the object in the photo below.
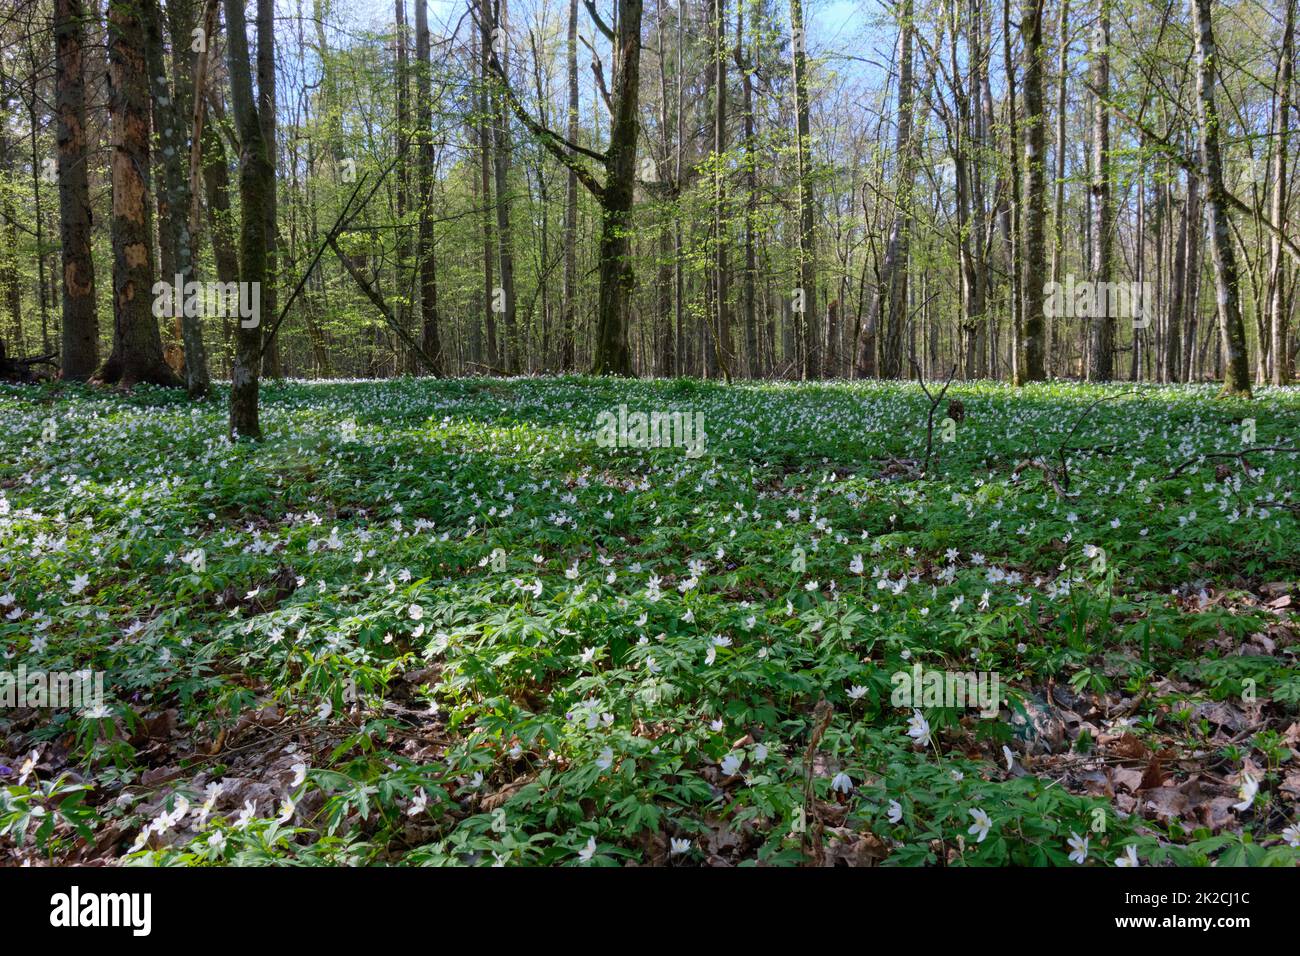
pixel 496 38
pixel 484 133
pixel 1058 186
pixel 615 195
pixel 1033 246
pixel 1101 328
pixel 80 318
pixel 429 336
pixel 256 184
pixel 720 337
pixel 1279 346
pixel 266 114
pixel 208 160
pixel 137 347
pixel 402 134
pixel 1236 368
pixel 748 299
pixel 616 276
pixel 1011 212
pixel 568 305
pixel 176 190
pixel 807 294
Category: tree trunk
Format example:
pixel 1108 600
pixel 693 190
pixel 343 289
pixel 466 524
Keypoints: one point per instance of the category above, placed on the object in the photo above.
pixel 511 347
pixel 1236 377
pixel 750 318
pixel 1178 291
pixel 807 294
pixel 1034 250
pixel 429 332
pixel 256 182
pixel 485 178
pixel 1012 211
pixel 176 188
pixel 721 337
pixel 892 288
pixel 1101 328
pixel 616 275
pixel 137 347
pixel 568 306
pixel 80 319
pixel 402 149
pixel 1278 306
pixel 266 114
pixel 679 278
pixel 1058 187
pixel 1192 283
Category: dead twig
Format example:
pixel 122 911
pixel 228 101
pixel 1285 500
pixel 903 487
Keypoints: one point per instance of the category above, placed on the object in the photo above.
pixel 821 719
pixel 1063 448
pixel 1239 455
pixel 929 417
pixel 1049 475
pixel 1059 477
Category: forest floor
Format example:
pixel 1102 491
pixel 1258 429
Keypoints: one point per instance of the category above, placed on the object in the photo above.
pixel 440 622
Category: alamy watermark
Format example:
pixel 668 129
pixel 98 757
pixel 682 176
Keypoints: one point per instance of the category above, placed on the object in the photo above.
pixel 75 908
pixel 961 689
pixel 1100 300
pixel 222 300
pixel 62 690
pixel 623 429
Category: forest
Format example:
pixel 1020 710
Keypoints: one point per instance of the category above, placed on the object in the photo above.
pixel 1091 192
pixel 686 433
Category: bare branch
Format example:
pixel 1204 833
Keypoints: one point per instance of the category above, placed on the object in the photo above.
pixel 595 18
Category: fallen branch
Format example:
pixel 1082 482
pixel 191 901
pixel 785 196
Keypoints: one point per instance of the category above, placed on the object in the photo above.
pixel 376 299
pixel 344 218
pixel 1049 475
pixel 1239 455
pixel 20 369
pixel 1064 448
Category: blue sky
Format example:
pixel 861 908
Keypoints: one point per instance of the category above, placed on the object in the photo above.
pixel 832 24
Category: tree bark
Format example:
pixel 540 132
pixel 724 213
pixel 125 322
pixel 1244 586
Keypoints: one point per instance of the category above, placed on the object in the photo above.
pixel 176 188
pixel 568 305
pixel 266 114
pixel 402 136
pixel 807 234
pixel 1051 332
pixel 887 312
pixel 721 336
pixel 750 317
pixel 1278 305
pixel 511 347
pixel 137 347
pixel 430 342
pixel 1012 210
pixel 1102 328
pixel 80 318
pixel 256 182
pixel 1178 291
pixel 1236 369
pixel 485 177
pixel 1034 250
pixel 616 275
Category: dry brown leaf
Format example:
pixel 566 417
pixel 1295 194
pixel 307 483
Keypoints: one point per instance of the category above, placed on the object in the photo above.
pixel 500 797
pixel 1130 780
pixel 1129 747
pixel 847 848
